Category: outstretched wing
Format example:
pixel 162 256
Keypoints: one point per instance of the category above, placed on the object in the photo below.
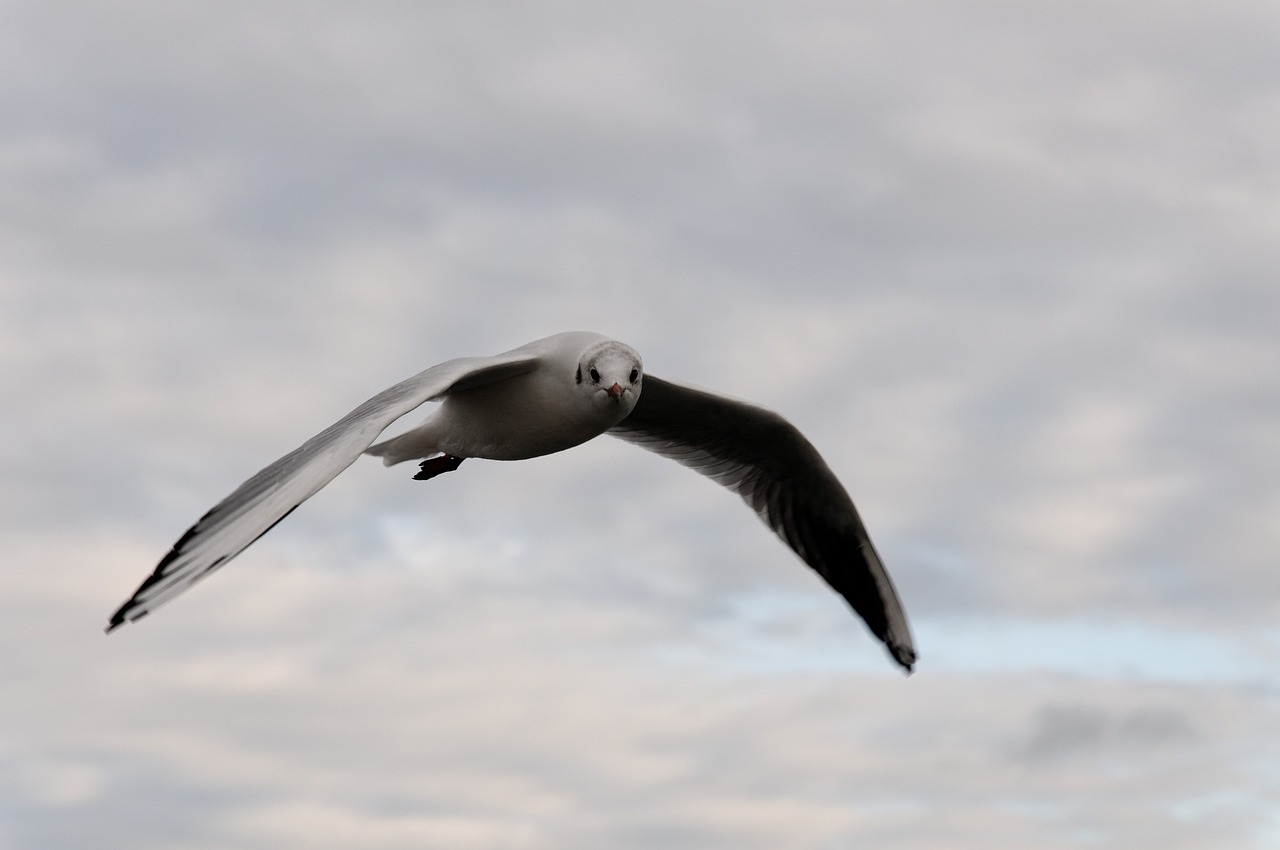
pixel 769 463
pixel 268 497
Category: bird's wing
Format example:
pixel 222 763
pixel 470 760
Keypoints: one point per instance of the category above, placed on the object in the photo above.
pixel 268 497
pixel 770 464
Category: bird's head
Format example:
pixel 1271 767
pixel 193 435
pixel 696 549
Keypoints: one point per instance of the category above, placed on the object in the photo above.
pixel 610 373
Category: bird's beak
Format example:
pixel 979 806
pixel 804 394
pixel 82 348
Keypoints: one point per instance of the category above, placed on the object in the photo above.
pixel 615 391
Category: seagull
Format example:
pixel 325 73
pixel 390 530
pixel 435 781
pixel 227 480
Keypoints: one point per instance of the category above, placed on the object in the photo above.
pixel 545 397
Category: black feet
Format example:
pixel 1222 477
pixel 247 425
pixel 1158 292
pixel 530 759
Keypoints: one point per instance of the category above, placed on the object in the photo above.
pixel 433 466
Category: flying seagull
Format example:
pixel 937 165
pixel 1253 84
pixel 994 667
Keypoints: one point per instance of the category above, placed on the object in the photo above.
pixel 545 397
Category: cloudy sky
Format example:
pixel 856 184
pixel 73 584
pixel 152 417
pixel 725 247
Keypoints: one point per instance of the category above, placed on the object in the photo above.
pixel 1013 267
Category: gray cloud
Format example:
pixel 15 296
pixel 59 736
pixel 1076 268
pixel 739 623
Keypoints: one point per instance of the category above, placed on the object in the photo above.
pixel 1073 731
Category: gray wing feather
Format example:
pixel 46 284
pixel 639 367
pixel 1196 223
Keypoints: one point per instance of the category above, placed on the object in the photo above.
pixel 769 463
pixel 258 504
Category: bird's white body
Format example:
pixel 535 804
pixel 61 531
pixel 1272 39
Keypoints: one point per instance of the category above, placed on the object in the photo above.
pixel 553 406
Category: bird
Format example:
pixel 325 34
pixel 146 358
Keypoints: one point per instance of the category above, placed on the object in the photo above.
pixel 544 397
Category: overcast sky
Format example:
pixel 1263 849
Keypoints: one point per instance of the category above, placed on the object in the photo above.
pixel 1013 267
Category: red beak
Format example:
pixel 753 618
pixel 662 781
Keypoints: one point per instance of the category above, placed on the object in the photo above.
pixel 615 391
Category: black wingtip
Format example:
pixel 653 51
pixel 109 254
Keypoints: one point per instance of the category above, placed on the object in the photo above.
pixel 905 656
pixel 120 617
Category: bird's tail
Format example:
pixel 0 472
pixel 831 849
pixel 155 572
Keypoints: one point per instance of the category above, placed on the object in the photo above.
pixel 410 445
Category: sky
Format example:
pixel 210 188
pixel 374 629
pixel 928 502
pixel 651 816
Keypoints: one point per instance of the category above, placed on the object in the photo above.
pixel 1012 267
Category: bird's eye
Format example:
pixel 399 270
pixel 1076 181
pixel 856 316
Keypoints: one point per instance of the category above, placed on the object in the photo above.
pixel 595 375
pixel 635 373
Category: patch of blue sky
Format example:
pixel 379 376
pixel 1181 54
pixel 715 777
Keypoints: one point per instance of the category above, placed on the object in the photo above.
pixel 767 632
